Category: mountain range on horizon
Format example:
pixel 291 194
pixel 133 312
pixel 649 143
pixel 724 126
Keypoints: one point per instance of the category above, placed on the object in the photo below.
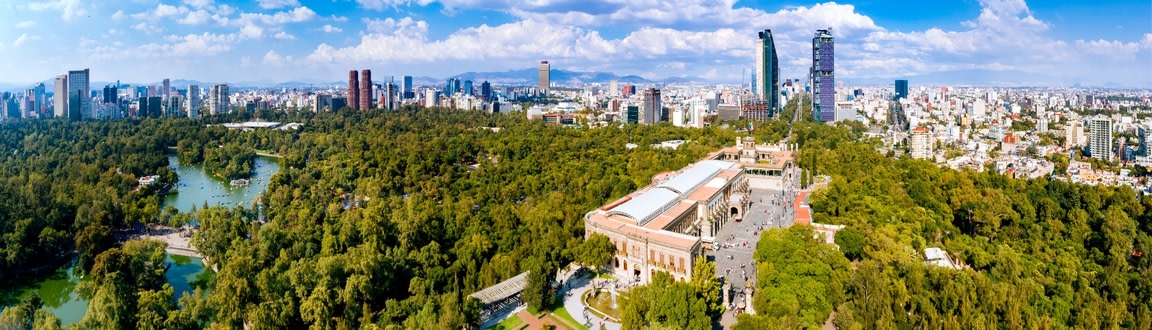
pixel 528 77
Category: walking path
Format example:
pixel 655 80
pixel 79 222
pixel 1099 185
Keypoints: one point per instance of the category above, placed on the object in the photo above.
pixel 577 287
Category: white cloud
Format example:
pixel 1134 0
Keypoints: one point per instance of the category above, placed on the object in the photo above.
pixel 196 17
pixel 338 19
pixel 24 38
pixel 118 15
pixel 406 40
pixel 274 59
pixel 330 29
pixel 198 3
pixel 160 12
pixel 148 28
pixel 297 15
pixel 69 8
pixel 25 24
pixel 284 36
pixel 1112 49
pixel 273 4
pixel 380 5
pixel 251 32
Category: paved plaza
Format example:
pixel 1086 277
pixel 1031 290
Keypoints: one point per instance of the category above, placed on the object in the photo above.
pixel 768 208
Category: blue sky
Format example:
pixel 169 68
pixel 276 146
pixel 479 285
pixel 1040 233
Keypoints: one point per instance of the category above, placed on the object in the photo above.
pixel 1091 42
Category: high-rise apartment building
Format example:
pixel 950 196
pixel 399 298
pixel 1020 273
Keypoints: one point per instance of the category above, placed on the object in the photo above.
pixel 431 98
pixel 545 72
pixel 920 144
pixel 767 71
pixel 823 76
pixel 366 90
pixel 354 90
pixel 218 101
pixel 79 95
pixel 1073 131
pixel 651 111
pixel 1100 142
pixel 60 96
pixel 193 101
pixel 901 89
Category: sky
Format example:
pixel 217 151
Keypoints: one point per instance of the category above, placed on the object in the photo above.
pixel 1072 41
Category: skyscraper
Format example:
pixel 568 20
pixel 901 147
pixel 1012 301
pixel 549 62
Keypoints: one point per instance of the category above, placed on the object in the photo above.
pixel 1100 142
pixel 366 89
pixel 545 77
pixel 407 87
pixel 768 71
pixel 218 101
pixel 166 91
pixel 41 100
pixel 468 88
pixel 650 108
pixel 901 89
pixel 193 101
pixel 353 90
pixel 79 97
pixel 822 77
pixel 486 90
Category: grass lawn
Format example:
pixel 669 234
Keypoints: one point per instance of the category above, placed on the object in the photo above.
pixel 563 314
pixel 509 324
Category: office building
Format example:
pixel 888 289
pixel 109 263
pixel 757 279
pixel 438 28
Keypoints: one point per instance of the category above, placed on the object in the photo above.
pixel 406 85
pixel 823 78
pixel 545 72
pixel 1100 142
pixel 901 89
pixel 218 101
pixel 60 96
pixel 193 101
pixel 650 108
pixel 468 88
pixel 767 72
pixel 366 90
pixel 79 95
pixel 166 91
pixel 632 114
pixel 452 87
pixel 390 94
pixel 486 91
pixel 108 95
pixel 354 90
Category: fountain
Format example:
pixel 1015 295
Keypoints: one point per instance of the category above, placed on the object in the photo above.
pixel 613 291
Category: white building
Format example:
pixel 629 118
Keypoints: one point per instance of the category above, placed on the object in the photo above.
pixel 920 143
pixel 1101 140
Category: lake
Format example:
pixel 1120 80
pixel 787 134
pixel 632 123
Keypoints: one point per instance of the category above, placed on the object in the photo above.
pixel 195 188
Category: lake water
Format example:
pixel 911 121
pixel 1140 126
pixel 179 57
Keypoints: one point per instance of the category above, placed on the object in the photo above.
pixel 58 290
pixel 197 187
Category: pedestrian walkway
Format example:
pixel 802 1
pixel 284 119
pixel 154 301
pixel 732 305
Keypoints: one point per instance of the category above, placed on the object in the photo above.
pixel 577 287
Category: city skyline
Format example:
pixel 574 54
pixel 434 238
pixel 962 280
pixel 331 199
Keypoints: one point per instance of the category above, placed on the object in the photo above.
pixel 285 40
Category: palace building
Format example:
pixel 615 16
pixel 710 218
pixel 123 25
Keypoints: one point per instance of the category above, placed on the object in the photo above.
pixel 666 225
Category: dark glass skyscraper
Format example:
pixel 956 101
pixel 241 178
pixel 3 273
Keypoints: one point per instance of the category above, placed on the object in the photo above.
pixel 901 89
pixel 767 71
pixel 823 78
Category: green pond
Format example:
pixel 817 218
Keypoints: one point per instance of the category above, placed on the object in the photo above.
pixel 58 290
